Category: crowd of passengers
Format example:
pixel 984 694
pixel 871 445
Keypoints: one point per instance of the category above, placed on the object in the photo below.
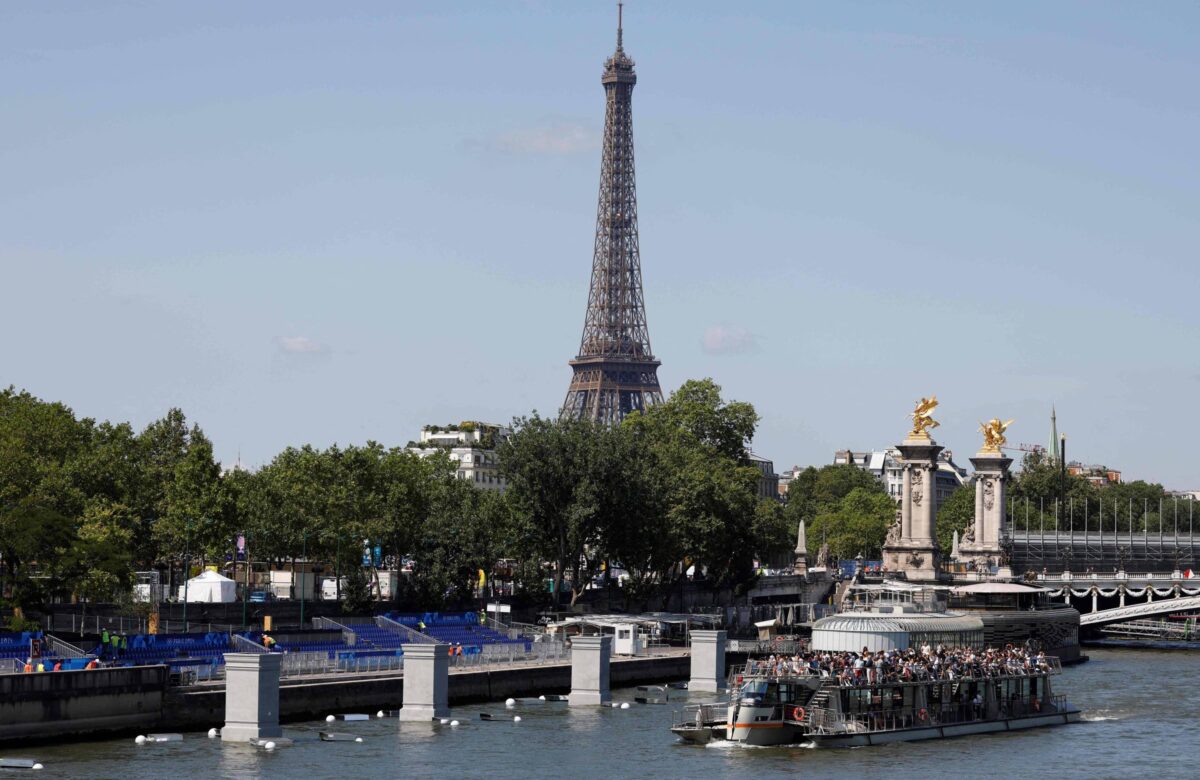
pixel 914 664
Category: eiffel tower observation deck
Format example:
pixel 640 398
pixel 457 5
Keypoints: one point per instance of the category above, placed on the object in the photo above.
pixel 615 371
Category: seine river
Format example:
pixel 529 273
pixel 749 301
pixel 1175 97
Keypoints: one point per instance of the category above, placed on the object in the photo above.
pixel 1140 708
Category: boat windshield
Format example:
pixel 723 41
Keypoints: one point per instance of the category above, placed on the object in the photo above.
pixel 762 692
pixel 756 691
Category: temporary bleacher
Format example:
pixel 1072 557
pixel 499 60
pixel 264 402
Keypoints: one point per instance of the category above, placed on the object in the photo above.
pixel 179 651
pixel 17 645
pixel 456 628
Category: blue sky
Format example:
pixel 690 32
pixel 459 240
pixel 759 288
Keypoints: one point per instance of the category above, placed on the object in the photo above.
pixel 305 222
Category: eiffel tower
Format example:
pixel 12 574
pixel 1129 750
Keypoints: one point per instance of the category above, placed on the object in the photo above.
pixel 615 371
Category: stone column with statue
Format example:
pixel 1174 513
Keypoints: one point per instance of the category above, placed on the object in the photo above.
pixel 984 539
pixel 911 547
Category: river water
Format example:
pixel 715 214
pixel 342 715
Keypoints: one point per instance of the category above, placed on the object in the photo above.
pixel 1140 709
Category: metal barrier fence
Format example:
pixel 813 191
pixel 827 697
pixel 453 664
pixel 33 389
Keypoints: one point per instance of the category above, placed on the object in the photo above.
pixel 94 624
pixel 325 663
pixel 767 646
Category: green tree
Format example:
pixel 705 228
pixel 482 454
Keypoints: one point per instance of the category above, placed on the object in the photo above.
pixel 774 536
pixel 34 544
pixel 700 443
pixel 548 464
pixel 956 513
pixel 466 532
pixel 817 490
pixel 197 517
pixel 855 525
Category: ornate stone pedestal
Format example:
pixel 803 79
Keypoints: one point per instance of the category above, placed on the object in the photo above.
pixel 912 548
pixel 983 542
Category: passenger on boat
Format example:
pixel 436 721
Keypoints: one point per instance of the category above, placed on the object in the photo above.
pixel 877 668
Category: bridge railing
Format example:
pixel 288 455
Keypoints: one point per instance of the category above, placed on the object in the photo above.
pixel 1116 576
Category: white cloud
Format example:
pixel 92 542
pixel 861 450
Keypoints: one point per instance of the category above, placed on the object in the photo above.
pixel 553 139
pixel 300 345
pixel 728 340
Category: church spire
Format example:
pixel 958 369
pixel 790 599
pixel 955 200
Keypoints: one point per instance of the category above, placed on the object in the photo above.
pixel 1052 452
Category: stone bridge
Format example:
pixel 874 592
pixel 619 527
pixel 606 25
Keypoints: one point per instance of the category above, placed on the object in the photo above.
pixel 1114 598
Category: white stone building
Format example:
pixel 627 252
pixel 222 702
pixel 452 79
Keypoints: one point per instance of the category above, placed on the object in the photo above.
pixel 885 465
pixel 472 445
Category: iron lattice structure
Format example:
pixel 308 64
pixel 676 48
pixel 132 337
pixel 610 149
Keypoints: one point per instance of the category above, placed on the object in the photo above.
pixel 615 372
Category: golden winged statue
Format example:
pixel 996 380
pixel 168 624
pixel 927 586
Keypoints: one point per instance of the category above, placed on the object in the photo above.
pixel 923 419
pixel 993 434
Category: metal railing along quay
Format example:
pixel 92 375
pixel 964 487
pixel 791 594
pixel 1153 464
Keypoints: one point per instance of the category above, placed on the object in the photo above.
pixel 323 663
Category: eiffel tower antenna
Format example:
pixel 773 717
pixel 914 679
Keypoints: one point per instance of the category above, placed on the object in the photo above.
pixel 615 372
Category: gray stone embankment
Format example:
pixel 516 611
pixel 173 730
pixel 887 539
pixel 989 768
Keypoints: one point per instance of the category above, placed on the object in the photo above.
pixel 62 705
pixel 203 706
pixel 58 706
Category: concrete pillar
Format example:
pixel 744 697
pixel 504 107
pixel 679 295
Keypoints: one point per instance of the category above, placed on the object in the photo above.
pixel 708 661
pixel 590 658
pixel 980 531
pixel 426 682
pixel 251 696
pixel 906 529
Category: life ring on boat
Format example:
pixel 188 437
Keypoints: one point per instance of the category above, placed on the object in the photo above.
pixel 923 715
pixel 796 713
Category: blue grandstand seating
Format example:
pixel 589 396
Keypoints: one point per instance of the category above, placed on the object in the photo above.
pixel 17 645
pixel 175 650
pixel 455 628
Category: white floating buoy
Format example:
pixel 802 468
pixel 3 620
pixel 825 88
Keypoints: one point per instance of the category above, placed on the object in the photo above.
pixel 37 766
pixel 330 719
pixel 269 746
pixel 453 723
pixel 139 739
pixel 379 714
pixel 444 721
pixel 542 697
pixel 510 702
pixel 624 705
pixel 358 739
pixel 212 733
pixel 516 718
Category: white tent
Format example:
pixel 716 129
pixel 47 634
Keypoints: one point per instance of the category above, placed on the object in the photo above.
pixel 209 587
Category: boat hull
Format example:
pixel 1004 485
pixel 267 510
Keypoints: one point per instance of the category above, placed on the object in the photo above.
pixel 865 739
pixel 699 734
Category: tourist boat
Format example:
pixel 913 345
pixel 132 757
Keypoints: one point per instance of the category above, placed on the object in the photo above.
pixel 766 708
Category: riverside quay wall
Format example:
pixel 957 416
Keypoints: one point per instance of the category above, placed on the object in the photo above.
pixel 56 705
pixel 60 705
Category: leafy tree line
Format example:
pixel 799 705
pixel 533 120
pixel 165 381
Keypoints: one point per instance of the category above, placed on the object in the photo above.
pixel 850 510
pixel 1041 497
pixel 84 504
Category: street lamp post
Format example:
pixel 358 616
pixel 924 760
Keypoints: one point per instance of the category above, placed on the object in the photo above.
pixel 187 569
pixel 303 556
pixel 246 586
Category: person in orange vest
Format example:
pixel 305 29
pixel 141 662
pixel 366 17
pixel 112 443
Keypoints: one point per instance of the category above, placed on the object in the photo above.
pixel 92 664
pixel 28 667
pixel 58 666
